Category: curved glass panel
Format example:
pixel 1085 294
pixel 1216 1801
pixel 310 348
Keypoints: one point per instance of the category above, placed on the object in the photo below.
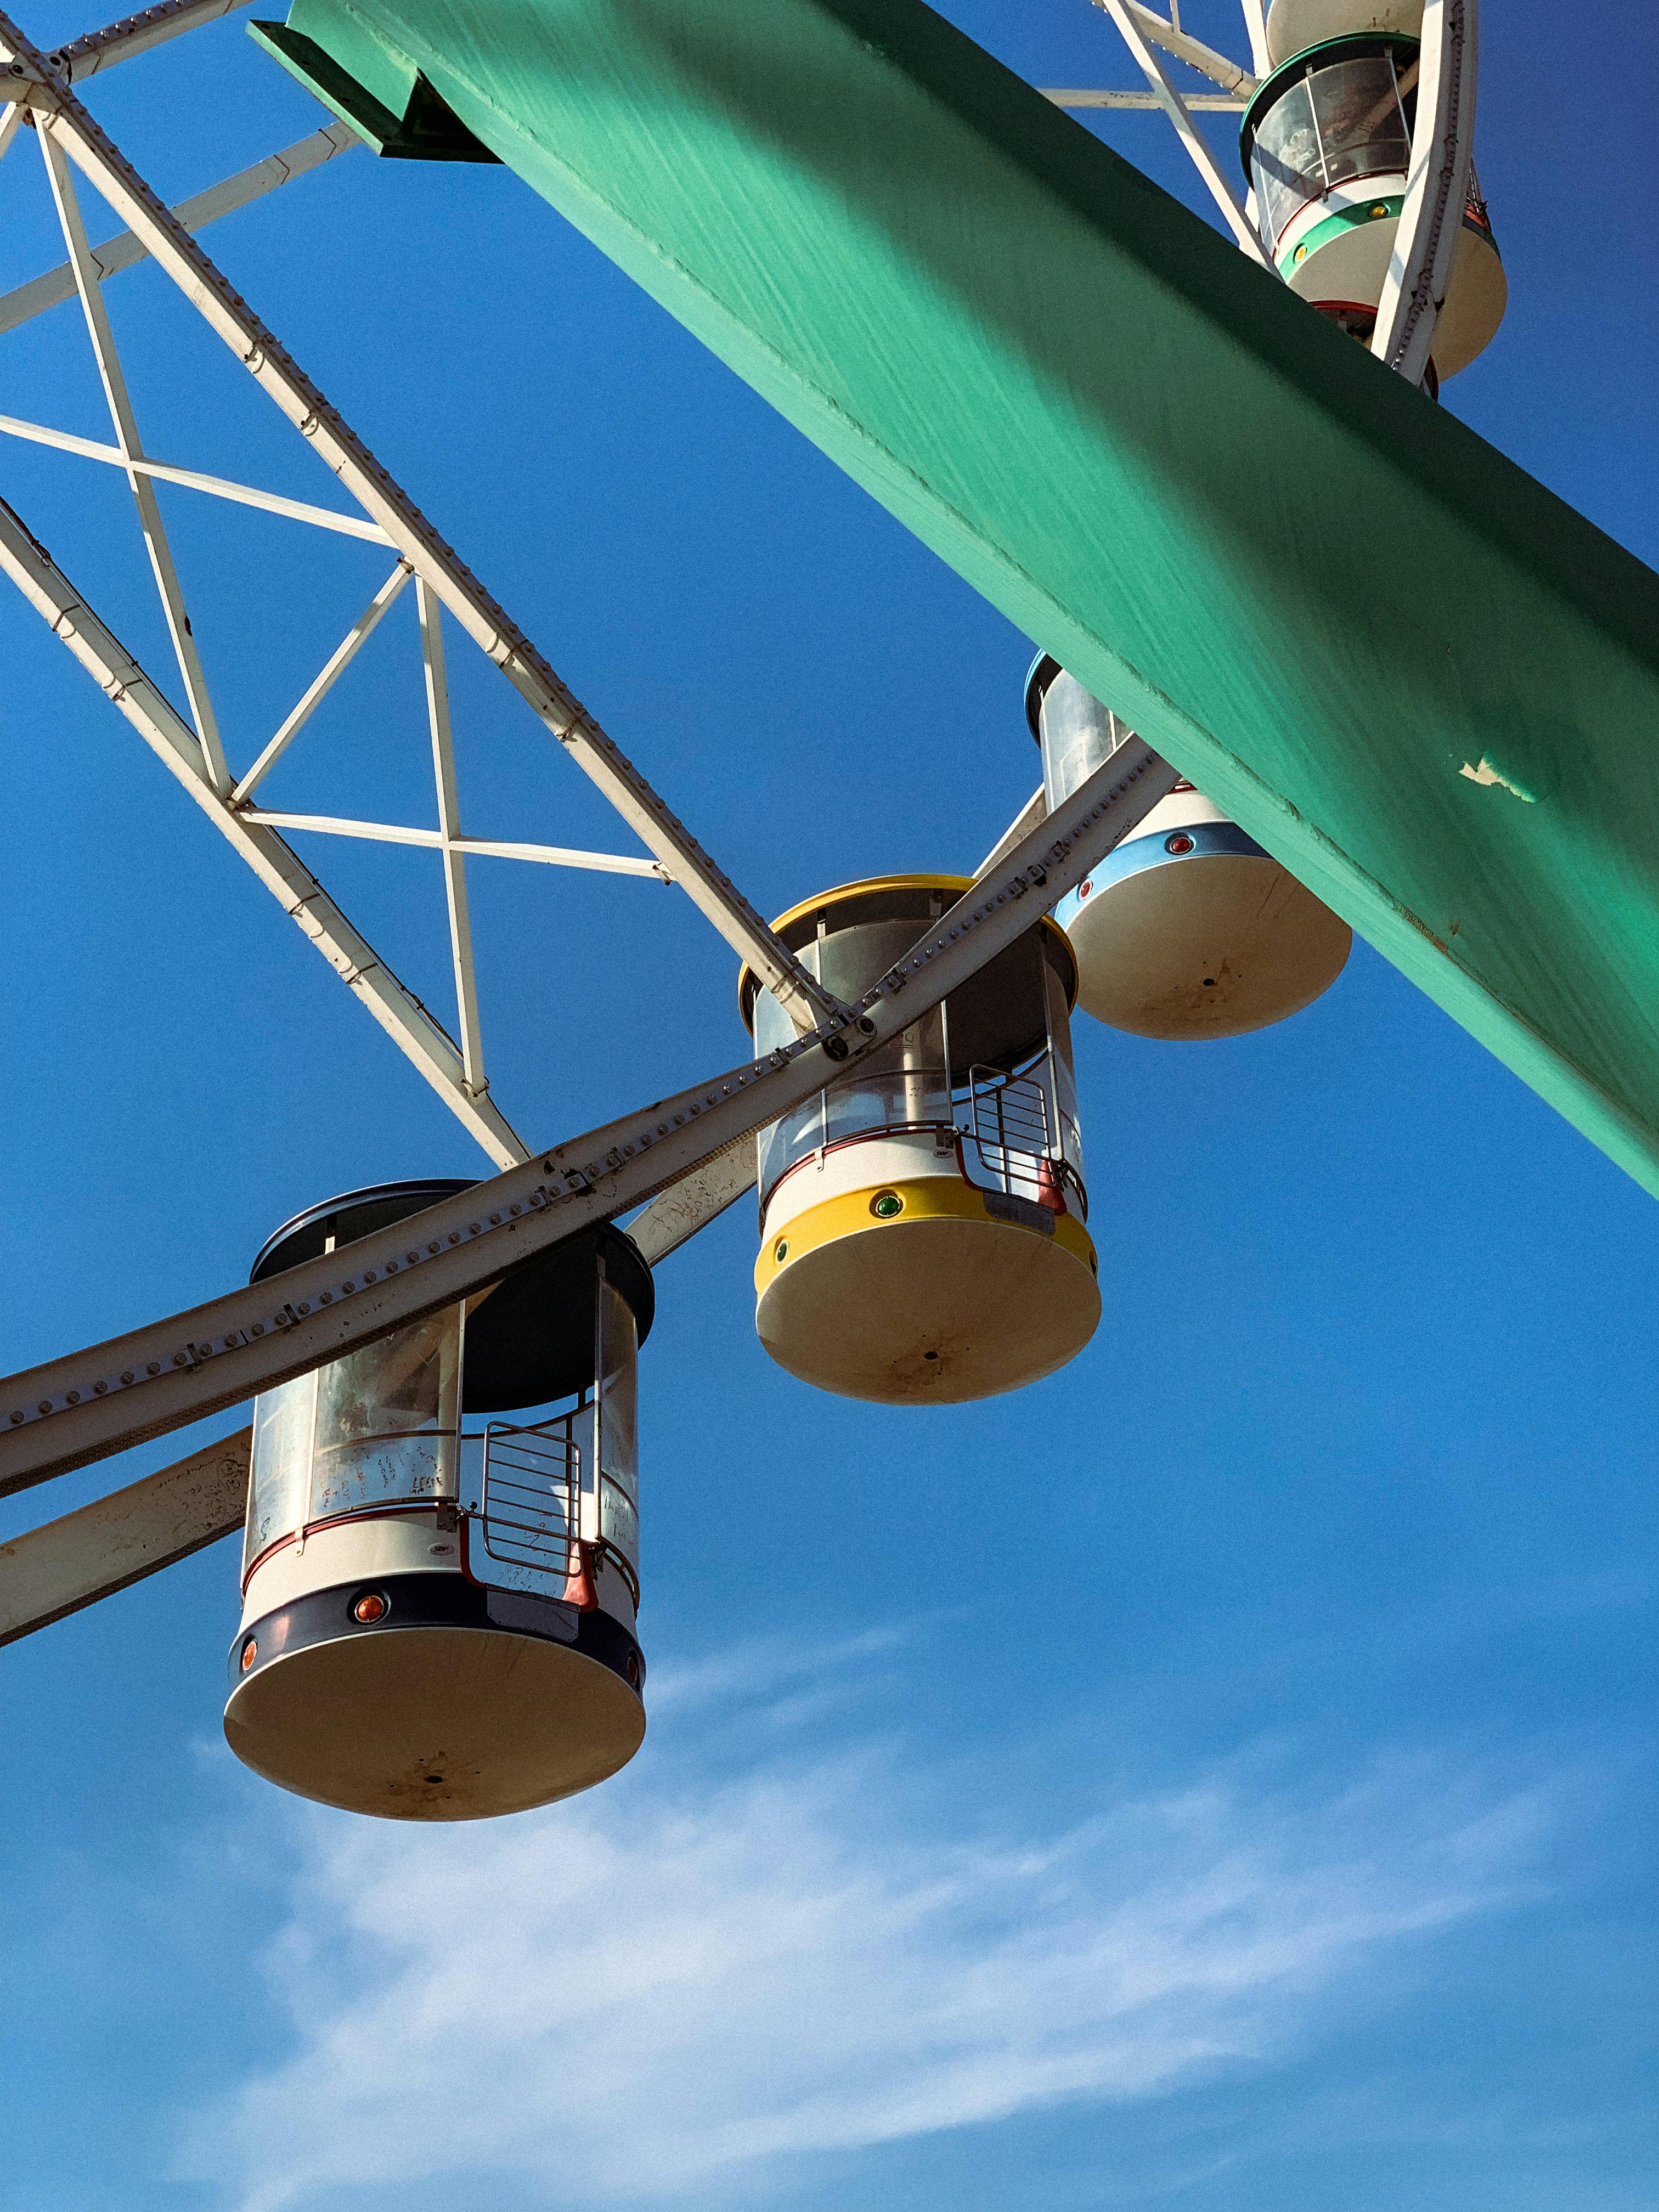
pixel 1362 121
pixel 279 1480
pixel 993 1064
pixel 904 1085
pixel 1351 118
pixel 1079 735
pixel 386 1420
pixel 1285 164
pixel 376 1428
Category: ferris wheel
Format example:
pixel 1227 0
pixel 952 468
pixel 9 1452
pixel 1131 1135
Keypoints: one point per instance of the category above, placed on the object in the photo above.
pixel 440 1489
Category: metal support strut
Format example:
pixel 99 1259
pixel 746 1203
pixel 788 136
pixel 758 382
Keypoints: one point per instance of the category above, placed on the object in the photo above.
pixel 68 129
pixel 156 1379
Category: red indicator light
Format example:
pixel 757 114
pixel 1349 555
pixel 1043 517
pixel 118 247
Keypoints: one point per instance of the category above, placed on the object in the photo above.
pixel 370 1606
pixel 1180 843
pixel 250 1653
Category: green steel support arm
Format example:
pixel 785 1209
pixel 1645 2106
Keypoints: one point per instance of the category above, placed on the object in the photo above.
pixel 1422 681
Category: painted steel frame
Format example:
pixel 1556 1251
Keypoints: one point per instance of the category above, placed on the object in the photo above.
pixel 1142 29
pixel 68 134
pixel 400 1012
pixel 153 1380
pixel 1431 218
pixel 712 1179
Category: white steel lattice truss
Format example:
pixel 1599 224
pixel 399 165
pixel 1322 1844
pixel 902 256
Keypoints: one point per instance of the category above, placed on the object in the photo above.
pixel 192 745
pixel 86 1555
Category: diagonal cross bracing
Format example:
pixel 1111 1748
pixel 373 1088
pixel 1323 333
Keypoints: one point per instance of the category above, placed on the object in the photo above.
pixel 65 123
pixel 126 432
pixel 1415 677
pixel 153 1380
pixel 25 301
pixel 26 561
pixel 137 34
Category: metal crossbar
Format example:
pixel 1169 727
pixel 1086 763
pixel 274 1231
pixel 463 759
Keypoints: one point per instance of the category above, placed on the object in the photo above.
pixel 97 1400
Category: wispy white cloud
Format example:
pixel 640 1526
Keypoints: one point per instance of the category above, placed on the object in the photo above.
pixel 762 1667
pixel 672 1982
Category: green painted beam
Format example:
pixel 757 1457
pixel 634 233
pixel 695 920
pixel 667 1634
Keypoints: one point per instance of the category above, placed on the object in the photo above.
pixel 1321 597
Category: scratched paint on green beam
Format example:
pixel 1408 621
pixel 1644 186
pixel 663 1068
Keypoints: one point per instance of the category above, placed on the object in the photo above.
pixel 1321 597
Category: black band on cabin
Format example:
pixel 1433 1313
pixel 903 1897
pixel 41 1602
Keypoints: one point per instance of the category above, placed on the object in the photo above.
pixel 433 1601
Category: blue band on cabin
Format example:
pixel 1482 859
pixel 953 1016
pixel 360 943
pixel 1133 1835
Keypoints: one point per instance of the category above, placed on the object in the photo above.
pixel 1211 840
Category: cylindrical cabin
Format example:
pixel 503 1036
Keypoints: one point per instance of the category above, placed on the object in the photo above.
pixel 922 1223
pixel 1326 143
pixel 1187 929
pixel 439 1615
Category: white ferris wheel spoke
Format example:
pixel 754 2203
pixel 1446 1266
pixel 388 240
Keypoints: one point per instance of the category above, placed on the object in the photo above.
pixel 278 868
pixel 60 117
pixel 1129 20
pixel 123 250
pixel 137 34
pixel 1185 48
pixel 479 848
pixel 1431 222
pixel 449 828
pixel 131 450
pixel 1216 103
pixel 1256 26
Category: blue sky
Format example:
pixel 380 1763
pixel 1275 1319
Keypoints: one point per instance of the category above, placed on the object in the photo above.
pixel 1220 1777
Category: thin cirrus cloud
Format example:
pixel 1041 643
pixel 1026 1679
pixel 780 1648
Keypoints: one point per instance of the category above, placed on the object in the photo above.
pixel 671 1985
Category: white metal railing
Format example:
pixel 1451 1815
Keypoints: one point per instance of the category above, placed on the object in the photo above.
pixel 1010 1132
pixel 530 1501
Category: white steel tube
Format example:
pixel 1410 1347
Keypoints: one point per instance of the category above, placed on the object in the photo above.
pixel 677 1213
pixel 1256 29
pixel 55 1570
pixel 1202 156
pixel 449 828
pixel 124 250
pixel 406 1020
pixel 126 433
pixel 1022 826
pixel 322 683
pixel 483 849
pixel 139 464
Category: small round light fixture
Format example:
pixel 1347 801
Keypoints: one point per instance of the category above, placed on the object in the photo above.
pixel 1180 844
pixel 780 1250
pixel 885 1204
pixel 250 1653
pixel 370 1608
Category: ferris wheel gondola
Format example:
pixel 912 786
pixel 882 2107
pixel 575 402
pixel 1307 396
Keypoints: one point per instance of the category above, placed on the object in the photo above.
pixel 440 1621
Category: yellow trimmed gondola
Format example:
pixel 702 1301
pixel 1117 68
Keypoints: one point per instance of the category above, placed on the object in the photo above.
pixel 922 1225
